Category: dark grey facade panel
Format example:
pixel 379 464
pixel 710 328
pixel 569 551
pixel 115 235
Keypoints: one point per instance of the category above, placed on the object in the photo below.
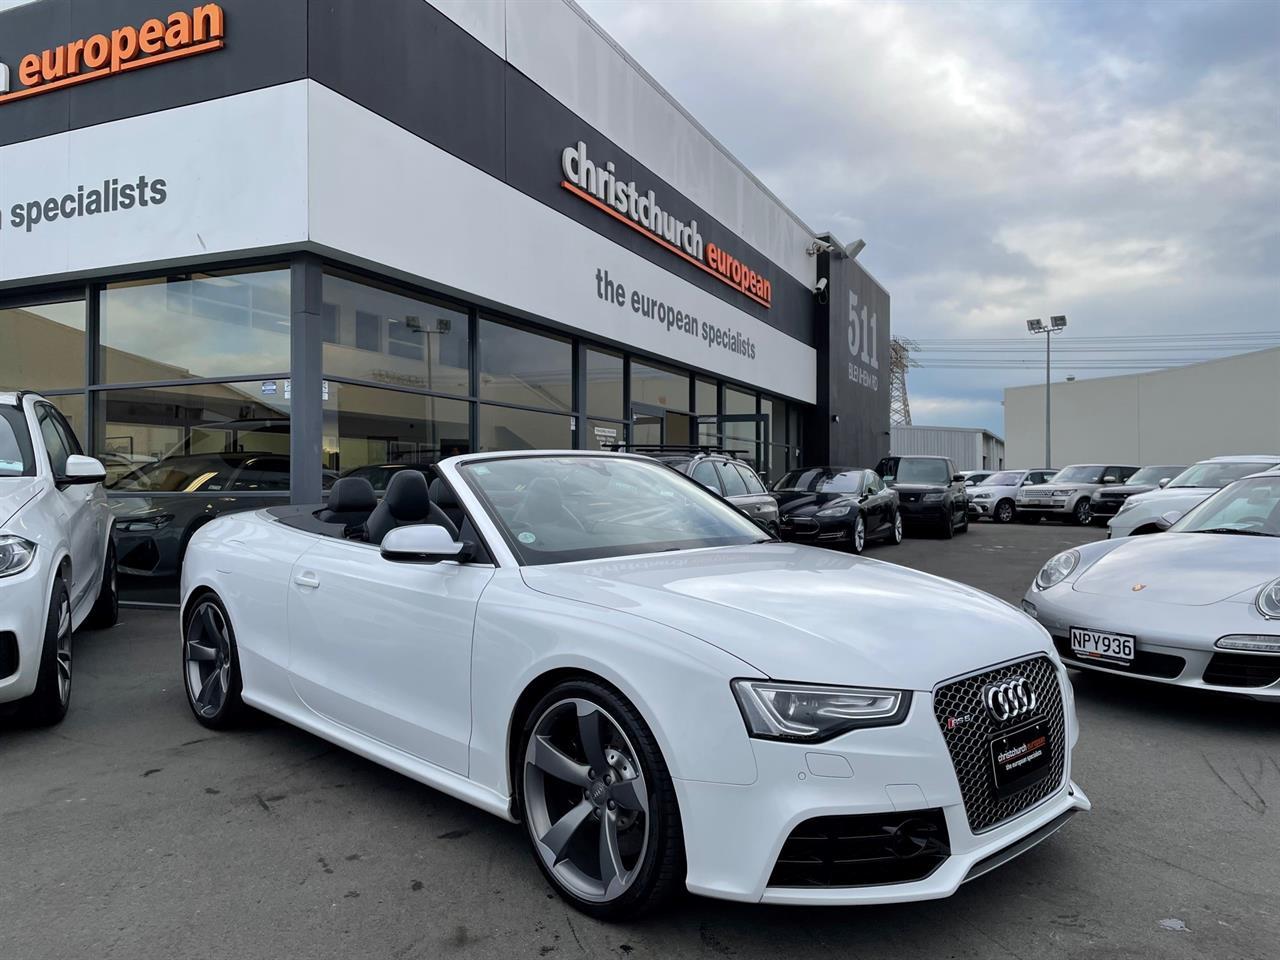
pixel 266 44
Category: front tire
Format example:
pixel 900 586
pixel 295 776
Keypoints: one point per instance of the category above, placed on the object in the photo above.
pixel 896 535
pixel 106 609
pixel 48 704
pixel 964 523
pixel 948 528
pixel 598 803
pixel 858 534
pixel 1003 512
pixel 1082 513
pixel 211 664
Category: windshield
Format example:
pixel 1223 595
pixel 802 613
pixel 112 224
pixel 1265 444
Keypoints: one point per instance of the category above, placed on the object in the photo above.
pixel 1081 473
pixel 912 470
pixel 177 475
pixel 1250 507
pixel 1216 473
pixel 820 480
pixel 565 508
pixel 1010 478
pixel 1153 475
pixel 17 456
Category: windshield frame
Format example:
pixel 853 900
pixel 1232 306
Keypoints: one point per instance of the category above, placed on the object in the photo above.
pixel 828 474
pixel 1261 466
pixel 16 419
pixel 465 472
pixel 991 481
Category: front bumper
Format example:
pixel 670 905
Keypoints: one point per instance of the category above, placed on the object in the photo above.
pixel 1105 508
pixel 819 530
pixel 734 834
pixel 981 508
pixel 1056 506
pixel 1173 645
pixel 920 512
pixel 24 608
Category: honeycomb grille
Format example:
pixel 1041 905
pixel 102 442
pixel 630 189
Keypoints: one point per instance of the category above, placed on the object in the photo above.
pixel 968 742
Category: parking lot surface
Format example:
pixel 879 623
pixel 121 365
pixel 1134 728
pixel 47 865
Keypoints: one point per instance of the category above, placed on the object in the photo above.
pixel 131 831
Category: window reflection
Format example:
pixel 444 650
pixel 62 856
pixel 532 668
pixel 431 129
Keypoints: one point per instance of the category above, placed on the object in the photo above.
pixel 603 372
pixel 659 386
pixel 373 433
pixel 503 428
pixel 517 366
pixel 43 346
pixel 194 326
pixel 378 334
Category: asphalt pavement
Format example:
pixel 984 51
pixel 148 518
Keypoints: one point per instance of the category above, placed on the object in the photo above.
pixel 131 831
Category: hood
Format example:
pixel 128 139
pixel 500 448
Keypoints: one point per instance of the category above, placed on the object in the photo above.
pixel 1189 569
pixel 1179 499
pixel 1125 489
pixel 807 614
pixel 1048 489
pixel 16 493
pixel 799 503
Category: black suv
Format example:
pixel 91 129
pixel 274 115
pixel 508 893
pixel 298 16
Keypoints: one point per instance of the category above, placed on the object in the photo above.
pixel 720 471
pixel 930 493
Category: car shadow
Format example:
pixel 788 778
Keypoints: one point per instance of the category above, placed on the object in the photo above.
pixel 1213 712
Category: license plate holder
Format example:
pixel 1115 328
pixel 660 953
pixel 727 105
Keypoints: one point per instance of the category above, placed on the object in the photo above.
pixel 1103 645
pixel 1020 758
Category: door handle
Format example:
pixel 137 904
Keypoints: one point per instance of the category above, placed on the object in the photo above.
pixel 306 579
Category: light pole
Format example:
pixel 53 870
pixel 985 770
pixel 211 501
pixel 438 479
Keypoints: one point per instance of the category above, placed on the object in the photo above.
pixel 1056 325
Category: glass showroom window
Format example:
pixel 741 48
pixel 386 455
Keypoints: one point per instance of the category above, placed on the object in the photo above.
pixel 372 432
pixel 604 373
pixel 525 368
pixel 741 434
pixel 378 334
pixel 509 428
pixel 195 326
pixel 42 347
pixel 706 397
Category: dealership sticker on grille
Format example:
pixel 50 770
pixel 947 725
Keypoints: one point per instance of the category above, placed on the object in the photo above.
pixel 1020 758
pixel 1096 645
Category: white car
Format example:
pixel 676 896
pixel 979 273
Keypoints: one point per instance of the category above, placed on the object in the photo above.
pixel 1198 606
pixel 1068 495
pixel 601 648
pixel 1153 512
pixel 996 496
pixel 57 567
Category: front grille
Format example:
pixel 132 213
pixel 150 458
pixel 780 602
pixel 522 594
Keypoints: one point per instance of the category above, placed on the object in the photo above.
pixel 969 740
pixel 863 850
pixel 8 654
pixel 1242 670
pixel 1112 495
pixel 1165 666
pixel 801 526
pixel 909 497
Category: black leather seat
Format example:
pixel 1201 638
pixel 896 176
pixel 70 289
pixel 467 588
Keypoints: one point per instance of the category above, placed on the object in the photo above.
pixel 406 502
pixel 351 501
pixel 443 497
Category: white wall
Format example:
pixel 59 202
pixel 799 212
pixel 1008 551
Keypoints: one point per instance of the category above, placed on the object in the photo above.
pixel 1178 415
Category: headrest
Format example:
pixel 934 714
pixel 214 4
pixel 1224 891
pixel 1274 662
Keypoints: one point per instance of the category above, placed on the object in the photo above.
pixel 352 495
pixel 407 496
pixel 442 495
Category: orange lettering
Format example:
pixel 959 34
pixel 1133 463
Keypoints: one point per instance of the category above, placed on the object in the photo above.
pixel 124 46
pixel 96 51
pixel 73 55
pixel 151 37
pixel 29 70
pixel 179 32
pixel 208 22
pixel 53 63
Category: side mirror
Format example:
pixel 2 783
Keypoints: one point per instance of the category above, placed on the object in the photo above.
pixel 1107 480
pixel 1164 482
pixel 83 470
pixel 422 543
pixel 957 478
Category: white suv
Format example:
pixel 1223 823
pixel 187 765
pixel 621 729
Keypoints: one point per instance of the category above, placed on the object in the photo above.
pixel 57 565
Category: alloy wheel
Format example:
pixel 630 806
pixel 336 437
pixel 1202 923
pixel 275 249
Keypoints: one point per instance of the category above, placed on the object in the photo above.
pixel 859 534
pixel 586 800
pixel 1083 513
pixel 63 650
pixel 1004 511
pixel 208 656
pixel 897 528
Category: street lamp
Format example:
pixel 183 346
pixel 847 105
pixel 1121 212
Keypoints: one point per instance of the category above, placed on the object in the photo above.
pixel 1056 325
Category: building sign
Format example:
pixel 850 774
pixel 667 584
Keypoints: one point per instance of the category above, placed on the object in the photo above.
pixel 179 35
pixel 864 345
pixel 598 186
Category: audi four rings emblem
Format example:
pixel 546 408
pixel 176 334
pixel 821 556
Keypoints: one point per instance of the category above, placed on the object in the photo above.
pixel 1013 698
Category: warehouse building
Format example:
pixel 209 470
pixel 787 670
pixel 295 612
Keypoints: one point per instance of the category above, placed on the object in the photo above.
pixel 1178 415
pixel 970 448
pixel 342 235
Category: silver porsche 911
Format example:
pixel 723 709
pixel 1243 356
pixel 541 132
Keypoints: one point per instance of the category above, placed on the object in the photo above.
pixel 1197 607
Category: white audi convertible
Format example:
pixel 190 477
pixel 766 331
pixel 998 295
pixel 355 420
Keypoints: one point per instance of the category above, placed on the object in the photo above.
pixel 600 648
pixel 1198 606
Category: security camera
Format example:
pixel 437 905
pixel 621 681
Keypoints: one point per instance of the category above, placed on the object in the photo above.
pixel 817 247
pixel 821 290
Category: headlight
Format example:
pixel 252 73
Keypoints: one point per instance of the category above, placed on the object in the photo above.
pixel 16 555
pixel 983 495
pixel 837 511
pixel 1065 493
pixel 1268 601
pixel 933 497
pixel 1057 569
pixel 145 524
pixel 793 711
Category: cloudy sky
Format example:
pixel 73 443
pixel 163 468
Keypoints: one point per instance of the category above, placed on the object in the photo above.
pixel 1116 162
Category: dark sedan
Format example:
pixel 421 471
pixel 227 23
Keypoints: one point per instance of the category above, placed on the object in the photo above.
pixel 838 507
pixel 931 495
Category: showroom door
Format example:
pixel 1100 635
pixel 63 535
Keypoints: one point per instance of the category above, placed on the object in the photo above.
pixel 384 648
pixel 657 426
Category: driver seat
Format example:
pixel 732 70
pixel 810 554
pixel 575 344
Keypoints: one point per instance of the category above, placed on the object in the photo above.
pixel 406 502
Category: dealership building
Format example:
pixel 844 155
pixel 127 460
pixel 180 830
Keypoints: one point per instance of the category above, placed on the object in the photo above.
pixel 344 234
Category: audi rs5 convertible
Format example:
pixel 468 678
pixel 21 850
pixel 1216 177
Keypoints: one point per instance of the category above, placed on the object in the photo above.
pixel 605 651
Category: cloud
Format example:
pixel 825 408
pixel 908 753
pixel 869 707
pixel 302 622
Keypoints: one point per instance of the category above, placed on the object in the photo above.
pixel 1119 163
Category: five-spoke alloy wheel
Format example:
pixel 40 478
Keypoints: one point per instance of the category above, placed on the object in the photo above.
pixel 210 666
pixel 598 802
